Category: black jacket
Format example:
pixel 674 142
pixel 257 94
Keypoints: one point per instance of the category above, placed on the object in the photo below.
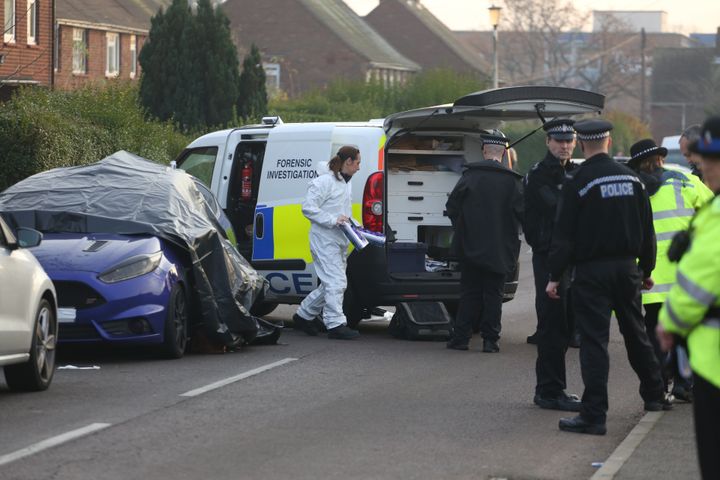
pixel 485 208
pixel 542 193
pixel 604 213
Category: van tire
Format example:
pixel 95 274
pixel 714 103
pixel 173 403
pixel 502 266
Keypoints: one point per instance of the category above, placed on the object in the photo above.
pixel 351 308
pixel 260 309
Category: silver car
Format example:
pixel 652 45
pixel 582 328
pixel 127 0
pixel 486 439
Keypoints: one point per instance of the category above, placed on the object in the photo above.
pixel 28 313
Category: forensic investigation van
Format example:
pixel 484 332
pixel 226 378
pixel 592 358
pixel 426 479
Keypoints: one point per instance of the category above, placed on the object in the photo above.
pixel 410 163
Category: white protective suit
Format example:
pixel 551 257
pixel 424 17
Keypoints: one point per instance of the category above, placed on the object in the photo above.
pixel 327 198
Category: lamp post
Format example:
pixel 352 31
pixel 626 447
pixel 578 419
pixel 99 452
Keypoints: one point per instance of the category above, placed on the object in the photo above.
pixel 494 21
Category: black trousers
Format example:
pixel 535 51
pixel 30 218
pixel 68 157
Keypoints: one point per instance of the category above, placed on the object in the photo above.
pixel 668 365
pixel 598 287
pixel 555 327
pixel 481 293
pixel 706 406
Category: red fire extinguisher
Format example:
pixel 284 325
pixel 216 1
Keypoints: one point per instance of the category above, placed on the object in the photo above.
pixel 246 181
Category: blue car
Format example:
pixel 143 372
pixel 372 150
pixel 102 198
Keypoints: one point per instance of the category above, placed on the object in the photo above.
pixel 120 289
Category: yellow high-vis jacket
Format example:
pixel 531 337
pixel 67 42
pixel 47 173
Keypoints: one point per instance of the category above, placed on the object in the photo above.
pixel 693 303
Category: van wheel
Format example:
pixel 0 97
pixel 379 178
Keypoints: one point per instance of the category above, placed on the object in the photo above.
pixel 260 309
pixel 37 373
pixel 351 308
pixel 176 324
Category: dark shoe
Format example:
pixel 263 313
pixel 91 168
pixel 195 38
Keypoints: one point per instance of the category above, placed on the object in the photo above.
pixel 682 394
pixel 564 402
pixel 377 311
pixel 574 341
pixel 659 405
pixel 490 346
pixel 319 324
pixel 533 339
pixel 454 344
pixel 343 333
pixel 307 326
pixel 580 425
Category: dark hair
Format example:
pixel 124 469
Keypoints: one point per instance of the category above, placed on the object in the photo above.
pixel 345 153
pixel 692 133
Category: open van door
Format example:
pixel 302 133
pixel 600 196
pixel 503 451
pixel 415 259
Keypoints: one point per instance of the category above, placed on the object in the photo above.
pixel 487 109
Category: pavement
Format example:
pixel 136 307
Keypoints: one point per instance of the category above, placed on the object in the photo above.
pixel 661 446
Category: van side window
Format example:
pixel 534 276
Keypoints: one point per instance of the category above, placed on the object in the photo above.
pixel 199 162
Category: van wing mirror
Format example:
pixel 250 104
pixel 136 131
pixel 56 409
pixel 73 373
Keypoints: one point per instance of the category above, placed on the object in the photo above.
pixel 28 238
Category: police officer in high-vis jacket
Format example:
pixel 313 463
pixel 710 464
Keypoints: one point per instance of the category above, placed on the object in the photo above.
pixel 692 308
pixel 554 327
pixel 604 231
pixel 675 196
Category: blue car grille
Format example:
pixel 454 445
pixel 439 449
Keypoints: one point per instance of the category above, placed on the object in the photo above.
pixel 77 295
pixel 67 332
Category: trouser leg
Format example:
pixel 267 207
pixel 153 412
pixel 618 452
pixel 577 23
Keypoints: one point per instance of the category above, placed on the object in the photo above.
pixel 591 306
pixel 652 311
pixel 628 310
pixel 492 285
pixel 553 335
pixel 706 408
pixel 330 266
pixel 471 300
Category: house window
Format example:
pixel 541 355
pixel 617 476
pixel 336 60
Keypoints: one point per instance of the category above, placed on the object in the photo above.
pixel 133 56
pixel 32 22
pixel 112 68
pixel 79 52
pixel 272 76
pixel 9 27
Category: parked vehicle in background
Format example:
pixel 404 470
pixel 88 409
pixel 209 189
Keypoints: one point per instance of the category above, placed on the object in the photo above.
pixel 28 313
pixel 675 156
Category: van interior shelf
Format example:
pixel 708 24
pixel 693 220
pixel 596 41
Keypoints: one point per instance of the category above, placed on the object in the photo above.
pixel 426 152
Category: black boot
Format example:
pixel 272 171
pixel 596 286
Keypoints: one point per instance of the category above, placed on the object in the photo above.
pixel 580 425
pixel 343 332
pixel 307 326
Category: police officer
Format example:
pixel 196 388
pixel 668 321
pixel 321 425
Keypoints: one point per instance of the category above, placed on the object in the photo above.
pixel 485 208
pixel 692 308
pixel 674 197
pixel 542 192
pixel 604 230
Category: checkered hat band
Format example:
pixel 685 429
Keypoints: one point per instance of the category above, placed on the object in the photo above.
pixel 496 142
pixel 644 152
pixel 561 129
pixel 593 136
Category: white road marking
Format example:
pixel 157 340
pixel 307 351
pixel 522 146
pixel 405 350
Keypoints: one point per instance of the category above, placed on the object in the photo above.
pixel 227 381
pixel 52 442
pixel 617 459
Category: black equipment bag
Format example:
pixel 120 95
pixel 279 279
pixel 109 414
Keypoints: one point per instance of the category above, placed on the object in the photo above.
pixel 421 321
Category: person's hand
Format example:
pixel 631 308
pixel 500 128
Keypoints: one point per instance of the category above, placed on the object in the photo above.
pixel 552 290
pixel 342 219
pixel 665 339
pixel 648 283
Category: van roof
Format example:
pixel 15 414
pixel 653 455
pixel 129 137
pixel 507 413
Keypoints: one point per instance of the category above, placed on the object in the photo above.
pixel 671 142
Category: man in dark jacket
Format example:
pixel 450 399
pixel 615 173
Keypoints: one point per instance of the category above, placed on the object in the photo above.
pixel 485 208
pixel 604 231
pixel 543 185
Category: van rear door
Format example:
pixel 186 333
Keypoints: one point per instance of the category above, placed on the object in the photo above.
pixel 486 110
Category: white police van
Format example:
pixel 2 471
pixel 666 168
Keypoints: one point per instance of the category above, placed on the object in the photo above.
pixel 410 163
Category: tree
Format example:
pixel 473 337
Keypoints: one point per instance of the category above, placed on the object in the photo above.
pixel 252 100
pixel 190 67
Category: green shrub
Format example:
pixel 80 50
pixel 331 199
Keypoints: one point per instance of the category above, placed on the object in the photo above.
pixel 42 129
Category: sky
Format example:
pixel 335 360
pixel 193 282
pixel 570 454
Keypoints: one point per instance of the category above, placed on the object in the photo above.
pixel 689 16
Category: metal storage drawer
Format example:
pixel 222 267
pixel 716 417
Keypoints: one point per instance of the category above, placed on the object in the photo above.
pixel 405 224
pixel 413 182
pixel 420 202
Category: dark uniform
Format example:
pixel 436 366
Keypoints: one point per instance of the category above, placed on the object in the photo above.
pixel 555 326
pixel 485 208
pixel 605 231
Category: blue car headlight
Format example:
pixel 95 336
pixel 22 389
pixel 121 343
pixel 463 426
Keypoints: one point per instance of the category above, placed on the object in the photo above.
pixel 131 268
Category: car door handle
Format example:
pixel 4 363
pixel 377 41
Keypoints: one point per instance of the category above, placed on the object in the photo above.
pixel 415 184
pixel 415 199
pixel 415 219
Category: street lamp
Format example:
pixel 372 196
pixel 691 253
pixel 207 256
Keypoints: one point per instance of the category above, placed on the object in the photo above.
pixel 494 21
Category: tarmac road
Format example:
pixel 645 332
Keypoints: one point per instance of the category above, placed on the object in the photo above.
pixel 312 408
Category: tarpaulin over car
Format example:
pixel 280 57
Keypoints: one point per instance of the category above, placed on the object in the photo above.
pixel 127 194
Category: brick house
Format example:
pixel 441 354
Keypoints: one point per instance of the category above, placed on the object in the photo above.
pixel 26 51
pixel 416 33
pixel 306 44
pixel 100 40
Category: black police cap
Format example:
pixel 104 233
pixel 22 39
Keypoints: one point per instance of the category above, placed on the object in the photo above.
pixel 595 129
pixel 560 129
pixel 708 145
pixel 495 139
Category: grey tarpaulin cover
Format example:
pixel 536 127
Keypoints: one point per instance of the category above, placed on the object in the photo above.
pixel 127 194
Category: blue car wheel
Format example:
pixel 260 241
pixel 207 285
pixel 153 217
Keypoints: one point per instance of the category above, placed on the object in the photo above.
pixel 176 324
